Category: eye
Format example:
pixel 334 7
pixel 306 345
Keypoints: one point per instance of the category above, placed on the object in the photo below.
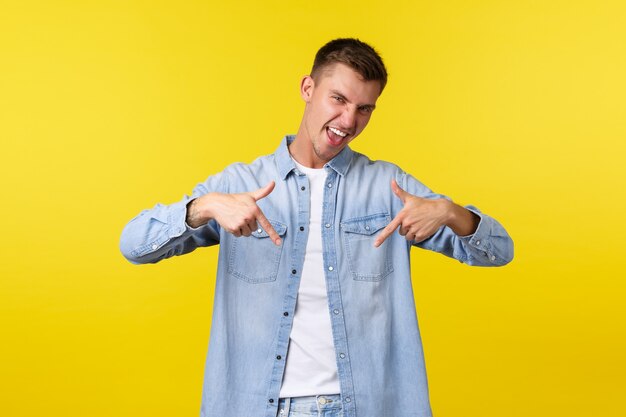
pixel 337 99
pixel 366 110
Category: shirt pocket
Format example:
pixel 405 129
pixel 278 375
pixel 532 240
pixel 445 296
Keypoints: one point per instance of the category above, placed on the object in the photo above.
pixel 256 258
pixel 366 262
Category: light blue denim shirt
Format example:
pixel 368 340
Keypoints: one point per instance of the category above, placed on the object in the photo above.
pixel 370 299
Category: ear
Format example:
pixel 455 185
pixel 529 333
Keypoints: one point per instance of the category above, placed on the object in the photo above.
pixel 306 88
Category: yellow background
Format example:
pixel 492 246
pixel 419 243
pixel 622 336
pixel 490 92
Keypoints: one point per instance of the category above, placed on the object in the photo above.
pixel 107 107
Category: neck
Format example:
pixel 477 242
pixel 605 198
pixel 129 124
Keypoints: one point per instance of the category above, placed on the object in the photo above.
pixel 301 149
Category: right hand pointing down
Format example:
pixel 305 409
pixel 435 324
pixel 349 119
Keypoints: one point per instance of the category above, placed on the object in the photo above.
pixel 237 213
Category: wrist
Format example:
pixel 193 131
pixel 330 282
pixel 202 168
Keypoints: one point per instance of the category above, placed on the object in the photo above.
pixel 450 212
pixel 462 221
pixel 197 213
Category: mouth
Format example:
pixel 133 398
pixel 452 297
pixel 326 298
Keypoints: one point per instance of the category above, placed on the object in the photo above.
pixel 335 136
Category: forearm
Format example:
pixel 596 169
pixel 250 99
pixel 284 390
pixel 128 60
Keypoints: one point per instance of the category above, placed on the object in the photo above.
pixel 169 230
pixel 196 215
pixel 152 229
pixel 488 245
pixel 470 236
pixel 162 232
pixel 462 221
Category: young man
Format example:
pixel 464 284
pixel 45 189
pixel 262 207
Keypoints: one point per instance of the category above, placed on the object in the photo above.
pixel 314 309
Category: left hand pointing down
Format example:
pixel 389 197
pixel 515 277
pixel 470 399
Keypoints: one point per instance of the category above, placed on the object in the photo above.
pixel 419 219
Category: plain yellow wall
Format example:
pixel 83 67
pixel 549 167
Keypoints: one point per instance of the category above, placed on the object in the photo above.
pixel 108 107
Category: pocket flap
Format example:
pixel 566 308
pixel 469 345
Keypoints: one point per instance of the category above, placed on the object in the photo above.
pixel 278 226
pixel 366 225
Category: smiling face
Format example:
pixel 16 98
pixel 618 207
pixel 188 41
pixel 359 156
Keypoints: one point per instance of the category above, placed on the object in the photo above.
pixel 339 105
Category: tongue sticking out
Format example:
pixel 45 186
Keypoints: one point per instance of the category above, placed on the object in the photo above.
pixel 333 138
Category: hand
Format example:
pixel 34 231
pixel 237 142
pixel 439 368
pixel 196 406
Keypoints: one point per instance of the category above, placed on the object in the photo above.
pixel 236 213
pixel 418 220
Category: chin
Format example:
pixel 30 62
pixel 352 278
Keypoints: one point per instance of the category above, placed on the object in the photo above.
pixel 325 156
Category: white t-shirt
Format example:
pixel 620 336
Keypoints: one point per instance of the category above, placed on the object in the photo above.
pixel 311 367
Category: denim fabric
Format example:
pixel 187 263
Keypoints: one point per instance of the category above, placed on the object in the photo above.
pixel 318 406
pixel 375 332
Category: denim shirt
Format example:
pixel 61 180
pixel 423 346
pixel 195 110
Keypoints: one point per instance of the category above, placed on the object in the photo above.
pixel 370 299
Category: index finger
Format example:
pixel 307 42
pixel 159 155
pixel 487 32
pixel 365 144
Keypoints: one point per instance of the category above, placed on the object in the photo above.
pixel 269 229
pixel 387 231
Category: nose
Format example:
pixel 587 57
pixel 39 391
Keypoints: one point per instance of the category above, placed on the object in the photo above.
pixel 348 118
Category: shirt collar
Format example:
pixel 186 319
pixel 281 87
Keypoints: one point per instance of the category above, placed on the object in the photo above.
pixel 285 164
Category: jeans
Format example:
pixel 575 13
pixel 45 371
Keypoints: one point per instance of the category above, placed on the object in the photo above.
pixel 317 406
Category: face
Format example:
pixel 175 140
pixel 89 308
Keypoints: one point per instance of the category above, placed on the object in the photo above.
pixel 338 107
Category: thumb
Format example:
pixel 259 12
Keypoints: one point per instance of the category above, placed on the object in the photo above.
pixel 263 191
pixel 398 191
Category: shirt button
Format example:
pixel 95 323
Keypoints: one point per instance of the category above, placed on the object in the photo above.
pixel 367 228
pixel 348 399
pixel 259 230
pixel 154 247
pixel 303 188
pixel 330 268
pixel 342 355
pixel 493 258
pixel 322 401
pixel 301 228
pixel 271 400
pixel 478 242
pixel 327 225
pixel 330 185
pixel 285 314
pixel 336 311
pixel 279 357
pixel 293 271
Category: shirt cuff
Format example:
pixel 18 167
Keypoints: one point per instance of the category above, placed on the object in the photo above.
pixel 480 239
pixel 177 220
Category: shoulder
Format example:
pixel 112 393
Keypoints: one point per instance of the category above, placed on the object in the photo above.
pixel 241 176
pixel 361 164
pixel 261 163
pixel 382 172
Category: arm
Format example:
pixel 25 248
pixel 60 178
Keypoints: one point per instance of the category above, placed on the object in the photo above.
pixel 433 222
pixel 162 231
pixel 166 231
pixel 489 245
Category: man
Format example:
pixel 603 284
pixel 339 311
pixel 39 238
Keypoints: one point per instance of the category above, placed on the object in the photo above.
pixel 314 310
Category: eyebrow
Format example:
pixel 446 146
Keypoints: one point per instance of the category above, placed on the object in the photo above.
pixel 362 106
